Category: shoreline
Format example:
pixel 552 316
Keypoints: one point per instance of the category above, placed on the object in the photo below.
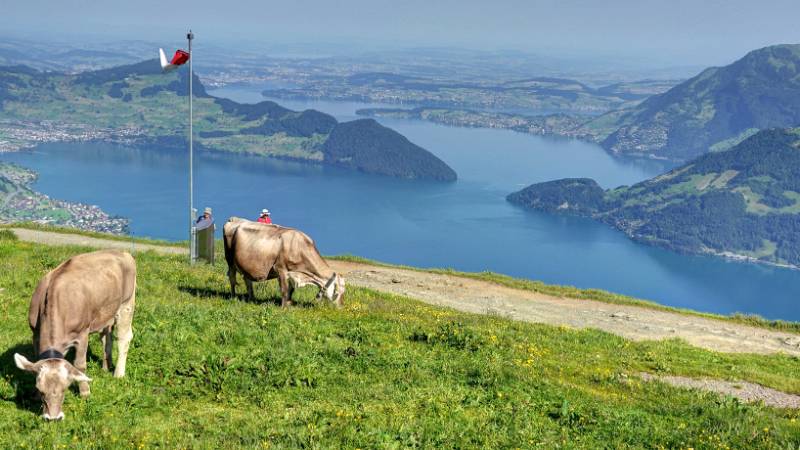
pixel 135 138
pixel 526 128
pixel 25 203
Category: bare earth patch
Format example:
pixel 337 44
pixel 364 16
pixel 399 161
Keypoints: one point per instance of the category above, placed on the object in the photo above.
pixel 481 297
pixel 51 238
pixel 744 391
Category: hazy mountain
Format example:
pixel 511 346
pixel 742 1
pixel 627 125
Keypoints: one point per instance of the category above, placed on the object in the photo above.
pixel 714 110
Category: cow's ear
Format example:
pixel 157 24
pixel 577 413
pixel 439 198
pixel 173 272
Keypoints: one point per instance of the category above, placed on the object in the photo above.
pixel 76 375
pixel 23 363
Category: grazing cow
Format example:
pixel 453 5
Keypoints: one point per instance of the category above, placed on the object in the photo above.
pixel 263 252
pixel 88 293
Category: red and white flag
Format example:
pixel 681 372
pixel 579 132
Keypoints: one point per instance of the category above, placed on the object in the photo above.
pixel 179 59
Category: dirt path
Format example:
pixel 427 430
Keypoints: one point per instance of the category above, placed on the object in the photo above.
pixel 743 390
pixel 632 322
pixel 50 238
pixel 482 297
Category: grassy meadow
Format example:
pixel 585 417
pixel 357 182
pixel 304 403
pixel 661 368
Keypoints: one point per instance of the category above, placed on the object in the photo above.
pixel 206 371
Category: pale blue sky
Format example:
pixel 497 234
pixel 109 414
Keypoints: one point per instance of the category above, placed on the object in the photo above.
pixel 673 31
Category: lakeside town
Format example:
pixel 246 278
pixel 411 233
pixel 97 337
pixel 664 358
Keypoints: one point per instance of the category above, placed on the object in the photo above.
pixel 20 203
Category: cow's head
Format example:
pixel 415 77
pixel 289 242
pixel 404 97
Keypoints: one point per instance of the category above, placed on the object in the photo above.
pixel 334 290
pixel 53 377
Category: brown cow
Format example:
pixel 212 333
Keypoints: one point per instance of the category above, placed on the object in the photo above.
pixel 263 252
pixel 88 293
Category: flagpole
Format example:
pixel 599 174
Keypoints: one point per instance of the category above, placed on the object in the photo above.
pixel 192 228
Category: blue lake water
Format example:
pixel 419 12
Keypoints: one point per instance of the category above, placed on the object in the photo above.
pixel 466 225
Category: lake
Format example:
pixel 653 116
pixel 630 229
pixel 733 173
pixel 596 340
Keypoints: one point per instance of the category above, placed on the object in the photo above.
pixel 466 225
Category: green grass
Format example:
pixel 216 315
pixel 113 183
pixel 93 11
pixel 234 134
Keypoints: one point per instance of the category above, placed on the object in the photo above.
pixel 754 205
pixel 724 178
pixel 729 143
pixel 205 371
pixel 278 144
pixel 7 235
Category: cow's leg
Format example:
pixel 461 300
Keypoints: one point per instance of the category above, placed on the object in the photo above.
pixel 124 328
pixel 250 294
pixel 80 361
pixel 108 344
pixel 232 279
pixel 291 291
pixel 286 290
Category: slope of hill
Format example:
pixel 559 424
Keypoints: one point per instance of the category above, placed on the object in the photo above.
pixel 714 110
pixel 355 145
pixel 384 371
pixel 743 203
pixel 139 104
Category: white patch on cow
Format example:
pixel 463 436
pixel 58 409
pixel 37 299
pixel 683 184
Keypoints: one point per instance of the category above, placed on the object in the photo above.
pixel 60 416
pixel 21 361
pixel 62 372
pixel 43 371
pixel 329 291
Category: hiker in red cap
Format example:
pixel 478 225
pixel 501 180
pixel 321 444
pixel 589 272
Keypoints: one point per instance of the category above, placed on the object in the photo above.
pixel 264 217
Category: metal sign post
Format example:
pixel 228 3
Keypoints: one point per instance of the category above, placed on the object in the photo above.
pixel 192 228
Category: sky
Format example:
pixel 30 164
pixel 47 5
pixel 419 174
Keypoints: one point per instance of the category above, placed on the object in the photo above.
pixel 679 32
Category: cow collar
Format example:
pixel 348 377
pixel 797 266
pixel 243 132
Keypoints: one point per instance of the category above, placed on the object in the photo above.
pixel 51 354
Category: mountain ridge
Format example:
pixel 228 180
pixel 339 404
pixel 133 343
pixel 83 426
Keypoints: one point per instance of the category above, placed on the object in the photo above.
pixel 140 99
pixel 716 109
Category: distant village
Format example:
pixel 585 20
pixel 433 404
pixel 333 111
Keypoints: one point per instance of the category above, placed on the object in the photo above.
pixel 19 203
pixel 20 135
pixel 73 215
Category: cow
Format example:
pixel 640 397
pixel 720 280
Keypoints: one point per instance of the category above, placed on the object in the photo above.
pixel 88 293
pixel 267 251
